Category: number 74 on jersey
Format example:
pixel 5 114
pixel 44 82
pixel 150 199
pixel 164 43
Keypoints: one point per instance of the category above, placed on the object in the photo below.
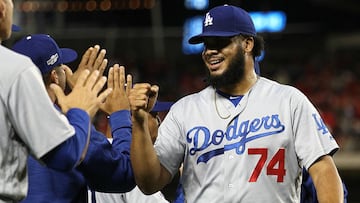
pixel 275 167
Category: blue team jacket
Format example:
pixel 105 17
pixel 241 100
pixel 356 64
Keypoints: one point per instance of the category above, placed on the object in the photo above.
pixel 106 167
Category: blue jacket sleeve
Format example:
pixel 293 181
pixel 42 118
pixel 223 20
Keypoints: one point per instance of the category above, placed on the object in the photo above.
pixel 68 154
pixel 179 194
pixel 107 166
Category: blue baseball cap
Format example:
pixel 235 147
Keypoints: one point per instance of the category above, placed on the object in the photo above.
pixel 44 51
pixel 225 21
pixel 161 106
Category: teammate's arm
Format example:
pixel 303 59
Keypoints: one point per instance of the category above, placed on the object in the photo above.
pixel 327 180
pixel 115 159
pixel 84 101
pixel 150 175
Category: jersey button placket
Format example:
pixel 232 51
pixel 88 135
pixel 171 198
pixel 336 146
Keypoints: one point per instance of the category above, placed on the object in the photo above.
pixel 230 158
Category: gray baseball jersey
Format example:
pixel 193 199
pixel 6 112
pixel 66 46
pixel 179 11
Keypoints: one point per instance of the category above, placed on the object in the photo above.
pixel 134 196
pixel 28 122
pixel 253 152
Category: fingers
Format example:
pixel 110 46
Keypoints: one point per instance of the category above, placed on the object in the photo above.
pixel 118 99
pixel 59 94
pixel 98 62
pixel 105 94
pixel 87 62
pixel 152 97
pixel 103 66
pixel 99 84
pixel 143 96
pixel 85 58
pixel 139 96
pixel 94 59
pixel 111 78
pixel 69 76
pixel 121 78
pixel 68 71
pixel 154 89
pixel 82 78
pixel 116 77
pixel 92 79
pixel 93 56
pixel 91 82
pixel 128 84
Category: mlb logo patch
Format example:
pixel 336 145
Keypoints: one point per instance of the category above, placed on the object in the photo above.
pixel 53 59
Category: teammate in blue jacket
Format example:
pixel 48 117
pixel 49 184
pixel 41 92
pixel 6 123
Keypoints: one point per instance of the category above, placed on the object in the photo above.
pixel 47 185
pixel 135 195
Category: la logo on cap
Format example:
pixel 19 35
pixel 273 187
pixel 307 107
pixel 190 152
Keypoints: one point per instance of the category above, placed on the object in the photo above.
pixel 208 20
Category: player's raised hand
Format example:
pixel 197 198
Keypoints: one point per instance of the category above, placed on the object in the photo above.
pixel 142 99
pixel 93 59
pixel 118 98
pixel 85 94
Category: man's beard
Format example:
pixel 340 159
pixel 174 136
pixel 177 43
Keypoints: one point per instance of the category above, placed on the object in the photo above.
pixel 233 74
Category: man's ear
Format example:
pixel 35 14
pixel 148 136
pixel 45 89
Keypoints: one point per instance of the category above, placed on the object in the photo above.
pixel 248 44
pixel 53 76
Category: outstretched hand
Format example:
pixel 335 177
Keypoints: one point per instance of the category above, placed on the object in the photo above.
pixel 85 94
pixel 142 99
pixel 118 98
pixel 91 60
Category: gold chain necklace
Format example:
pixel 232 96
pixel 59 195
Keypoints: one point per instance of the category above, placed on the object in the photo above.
pixel 217 110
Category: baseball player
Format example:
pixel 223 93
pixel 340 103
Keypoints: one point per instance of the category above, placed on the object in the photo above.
pixel 29 124
pixel 308 191
pixel 244 138
pixel 47 185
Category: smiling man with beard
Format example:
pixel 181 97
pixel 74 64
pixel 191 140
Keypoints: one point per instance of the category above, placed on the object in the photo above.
pixel 244 138
pixel 235 70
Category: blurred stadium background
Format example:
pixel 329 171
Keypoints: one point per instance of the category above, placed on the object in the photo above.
pixel 311 44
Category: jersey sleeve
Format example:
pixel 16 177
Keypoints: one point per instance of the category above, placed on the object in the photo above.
pixel 37 123
pixel 169 144
pixel 309 128
pixel 72 151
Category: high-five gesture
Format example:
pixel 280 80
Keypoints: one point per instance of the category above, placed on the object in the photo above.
pixel 142 99
pixel 85 94
pixel 91 60
pixel 118 98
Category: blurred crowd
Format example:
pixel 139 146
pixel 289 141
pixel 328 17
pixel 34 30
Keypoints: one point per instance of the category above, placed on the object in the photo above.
pixel 332 83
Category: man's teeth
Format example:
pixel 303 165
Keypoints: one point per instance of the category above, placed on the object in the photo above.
pixel 215 62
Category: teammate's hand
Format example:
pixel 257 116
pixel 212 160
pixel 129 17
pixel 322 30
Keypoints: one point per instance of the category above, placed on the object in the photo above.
pixel 142 99
pixel 118 98
pixel 85 94
pixel 91 60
